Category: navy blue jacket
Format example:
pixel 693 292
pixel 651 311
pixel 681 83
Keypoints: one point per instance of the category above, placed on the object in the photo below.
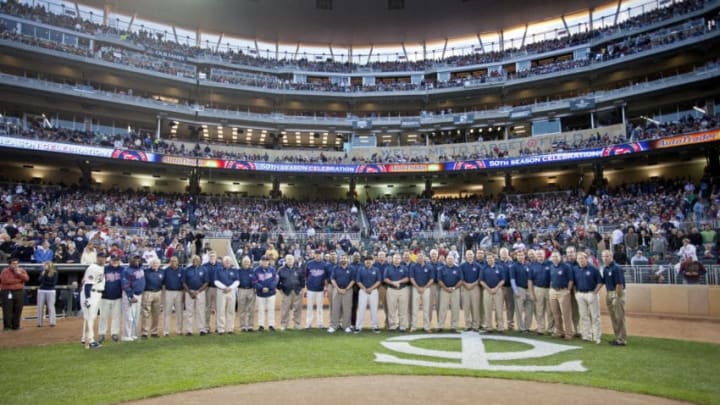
pixel 265 278
pixel 291 279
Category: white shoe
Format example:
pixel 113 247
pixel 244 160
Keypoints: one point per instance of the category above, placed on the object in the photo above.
pixel 331 330
pixel 127 339
pixel 348 330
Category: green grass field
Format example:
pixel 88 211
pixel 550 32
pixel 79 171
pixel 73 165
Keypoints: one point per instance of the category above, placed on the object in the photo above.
pixel 67 373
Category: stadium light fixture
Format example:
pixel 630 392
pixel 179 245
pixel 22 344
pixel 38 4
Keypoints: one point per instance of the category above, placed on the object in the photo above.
pixel 700 110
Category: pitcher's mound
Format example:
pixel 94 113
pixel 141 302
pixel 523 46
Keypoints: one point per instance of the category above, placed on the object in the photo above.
pixel 402 390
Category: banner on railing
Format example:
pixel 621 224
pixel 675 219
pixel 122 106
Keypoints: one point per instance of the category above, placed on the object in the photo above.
pixel 478 164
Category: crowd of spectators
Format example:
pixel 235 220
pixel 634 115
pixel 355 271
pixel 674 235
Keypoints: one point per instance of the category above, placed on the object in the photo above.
pixel 657 218
pixel 168 57
pixel 324 217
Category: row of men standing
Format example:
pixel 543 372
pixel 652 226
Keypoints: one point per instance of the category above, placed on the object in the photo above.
pixel 524 288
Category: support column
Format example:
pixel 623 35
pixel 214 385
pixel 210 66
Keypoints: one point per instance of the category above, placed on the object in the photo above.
pixel 428 192
pixel 159 125
pixel 598 180
pixel 106 15
pixel 592 120
pixel 275 192
pixel 713 161
pixel 352 189
pixel 508 182
pixel 194 180
pixel 85 175
pixel 198 38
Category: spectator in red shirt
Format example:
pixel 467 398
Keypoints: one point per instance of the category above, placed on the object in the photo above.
pixel 12 282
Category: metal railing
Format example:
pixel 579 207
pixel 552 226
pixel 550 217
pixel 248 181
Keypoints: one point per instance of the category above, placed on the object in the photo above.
pixel 667 274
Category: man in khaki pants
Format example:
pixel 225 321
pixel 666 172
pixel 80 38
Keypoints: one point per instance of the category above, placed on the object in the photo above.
pixel 381 263
pixel 195 282
pixel 173 296
pixel 470 292
pixel 492 281
pixel 450 280
pixel 519 277
pixel 291 283
pixel 422 277
pixel 539 289
pixel 397 279
pixel 226 282
pixel 342 277
pixel 561 282
pixel 614 280
pixel 246 295
pixel 151 299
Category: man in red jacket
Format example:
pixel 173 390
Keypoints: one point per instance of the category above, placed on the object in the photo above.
pixel 12 282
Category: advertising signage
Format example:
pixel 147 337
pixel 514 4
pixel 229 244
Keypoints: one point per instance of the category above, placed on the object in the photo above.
pixel 325 168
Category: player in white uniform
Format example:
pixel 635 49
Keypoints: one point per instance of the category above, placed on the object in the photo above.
pixel 93 284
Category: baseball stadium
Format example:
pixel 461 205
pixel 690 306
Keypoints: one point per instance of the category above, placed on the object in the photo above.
pixel 377 201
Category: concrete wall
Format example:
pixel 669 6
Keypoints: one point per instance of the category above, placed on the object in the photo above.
pixel 676 300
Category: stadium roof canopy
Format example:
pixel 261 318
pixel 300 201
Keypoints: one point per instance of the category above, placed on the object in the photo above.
pixel 348 22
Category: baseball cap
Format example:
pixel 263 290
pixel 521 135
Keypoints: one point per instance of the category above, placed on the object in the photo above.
pixel 265 257
pixel 101 254
pixel 114 257
pixel 368 257
pixel 318 251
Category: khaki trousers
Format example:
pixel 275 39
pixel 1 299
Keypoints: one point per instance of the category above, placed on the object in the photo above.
pixel 341 309
pixel 523 309
pixel 543 314
pixel 562 312
pixel 589 308
pixel 210 306
pixel 616 308
pixel 397 306
pixel 290 303
pixel 471 307
pixel 509 297
pixel 151 312
pixel 246 307
pixel 225 310
pixel 493 303
pixel 453 300
pixel 173 301
pixel 194 311
pixel 426 299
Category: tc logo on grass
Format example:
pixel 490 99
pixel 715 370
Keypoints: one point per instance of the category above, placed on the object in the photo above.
pixel 473 355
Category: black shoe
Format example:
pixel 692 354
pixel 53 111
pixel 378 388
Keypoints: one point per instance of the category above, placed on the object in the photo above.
pixel 115 338
pixel 250 330
pixel 144 337
pixel 271 328
pixel 261 329
pixel 155 335
pixel 220 333
pixel 101 340
pixel 95 345
pixel 616 343
pixel 453 330
pixel 231 333
pixel 188 334
pixel 376 330
pixel 203 333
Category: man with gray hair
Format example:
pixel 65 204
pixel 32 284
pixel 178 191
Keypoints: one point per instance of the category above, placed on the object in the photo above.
pixel 291 283
pixel 226 282
pixel 152 298
pixel 246 295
